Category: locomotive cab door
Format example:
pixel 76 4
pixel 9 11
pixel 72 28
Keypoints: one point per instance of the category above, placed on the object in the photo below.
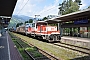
pixel 33 28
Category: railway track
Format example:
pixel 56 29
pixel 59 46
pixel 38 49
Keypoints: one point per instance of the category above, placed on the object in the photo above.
pixel 66 46
pixel 74 48
pixel 26 52
pixel 49 56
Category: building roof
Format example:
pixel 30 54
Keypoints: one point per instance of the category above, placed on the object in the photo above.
pixel 51 21
pixel 71 17
pixel 6 10
pixel 75 15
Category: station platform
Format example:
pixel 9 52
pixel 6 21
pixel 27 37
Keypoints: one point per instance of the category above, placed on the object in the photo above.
pixel 76 38
pixel 77 41
pixel 8 51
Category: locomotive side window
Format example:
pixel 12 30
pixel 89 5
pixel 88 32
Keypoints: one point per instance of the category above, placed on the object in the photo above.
pixel 33 25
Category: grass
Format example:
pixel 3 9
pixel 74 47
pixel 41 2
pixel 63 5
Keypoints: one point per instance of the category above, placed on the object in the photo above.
pixel 63 54
pixel 21 50
pixel 37 54
pixel 32 50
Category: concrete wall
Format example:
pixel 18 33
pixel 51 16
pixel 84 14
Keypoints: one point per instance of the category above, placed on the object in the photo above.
pixel 76 43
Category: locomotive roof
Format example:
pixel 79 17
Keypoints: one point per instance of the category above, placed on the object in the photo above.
pixel 41 22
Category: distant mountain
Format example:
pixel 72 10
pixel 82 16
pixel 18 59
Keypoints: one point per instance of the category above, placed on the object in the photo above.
pixel 18 19
pixel 22 17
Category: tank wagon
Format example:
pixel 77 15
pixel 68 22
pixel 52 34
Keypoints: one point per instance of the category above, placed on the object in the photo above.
pixel 42 30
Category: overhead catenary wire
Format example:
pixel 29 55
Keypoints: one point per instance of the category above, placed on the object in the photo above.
pixel 47 10
pixel 22 7
pixel 40 12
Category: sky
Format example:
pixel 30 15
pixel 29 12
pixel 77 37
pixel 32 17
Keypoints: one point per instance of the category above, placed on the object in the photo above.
pixel 42 8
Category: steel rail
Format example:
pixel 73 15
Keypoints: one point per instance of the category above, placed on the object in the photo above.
pixel 26 52
pixel 75 48
pixel 52 57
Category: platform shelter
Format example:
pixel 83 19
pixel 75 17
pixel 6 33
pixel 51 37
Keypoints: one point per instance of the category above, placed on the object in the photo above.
pixel 74 24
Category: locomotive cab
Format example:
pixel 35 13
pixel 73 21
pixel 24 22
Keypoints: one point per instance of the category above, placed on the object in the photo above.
pixel 42 30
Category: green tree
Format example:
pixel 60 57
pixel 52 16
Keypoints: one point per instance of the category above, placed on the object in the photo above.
pixel 73 8
pixel 30 20
pixel 18 24
pixel 78 2
pixel 88 6
pixel 69 6
pixel 62 7
pixel 26 21
pixel 44 18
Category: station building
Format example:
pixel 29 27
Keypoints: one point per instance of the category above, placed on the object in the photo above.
pixel 75 24
pixel 6 11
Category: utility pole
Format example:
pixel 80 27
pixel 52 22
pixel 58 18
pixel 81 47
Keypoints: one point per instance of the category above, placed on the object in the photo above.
pixel 36 16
